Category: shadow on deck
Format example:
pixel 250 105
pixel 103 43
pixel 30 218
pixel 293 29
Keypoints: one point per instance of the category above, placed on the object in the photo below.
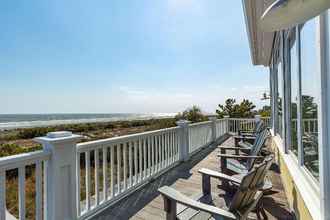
pixel 146 203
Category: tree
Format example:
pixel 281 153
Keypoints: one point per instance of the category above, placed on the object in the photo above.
pixel 309 107
pixel 193 114
pixel 265 111
pixel 234 110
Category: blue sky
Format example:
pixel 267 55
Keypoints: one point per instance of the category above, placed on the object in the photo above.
pixel 124 56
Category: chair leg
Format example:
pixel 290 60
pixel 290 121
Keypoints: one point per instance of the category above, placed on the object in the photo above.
pixel 223 162
pixel 206 184
pixel 170 208
pixel 260 211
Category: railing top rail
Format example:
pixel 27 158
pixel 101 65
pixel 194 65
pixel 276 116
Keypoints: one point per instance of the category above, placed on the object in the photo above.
pixel 221 119
pixel 19 160
pixel 115 140
pixel 200 123
pixel 242 119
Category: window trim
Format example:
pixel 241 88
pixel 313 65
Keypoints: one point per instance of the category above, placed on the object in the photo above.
pixel 324 124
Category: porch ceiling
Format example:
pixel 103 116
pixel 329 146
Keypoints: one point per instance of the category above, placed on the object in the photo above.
pixel 261 43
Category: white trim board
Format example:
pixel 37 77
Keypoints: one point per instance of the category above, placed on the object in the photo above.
pixel 309 191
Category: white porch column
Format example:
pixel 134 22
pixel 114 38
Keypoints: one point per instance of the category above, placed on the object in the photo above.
pixel 213 119
pixel 60 175
pixel 324 117
pixel 184 140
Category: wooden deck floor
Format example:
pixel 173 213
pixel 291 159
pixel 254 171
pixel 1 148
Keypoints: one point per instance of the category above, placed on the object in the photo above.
pixel 146 203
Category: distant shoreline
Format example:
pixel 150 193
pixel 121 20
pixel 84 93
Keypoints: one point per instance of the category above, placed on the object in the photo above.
pixel 67 119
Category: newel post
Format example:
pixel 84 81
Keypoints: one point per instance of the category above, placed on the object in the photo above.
pixel 227 129
pixel 184 140
pixel 213 119
pixel 257 118
pixel 60 176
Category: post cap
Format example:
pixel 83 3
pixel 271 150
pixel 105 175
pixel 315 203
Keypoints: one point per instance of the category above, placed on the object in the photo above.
pixel 212 117
pixel 257 117
pixel 183 122
pixel 59 134
pixel 58 137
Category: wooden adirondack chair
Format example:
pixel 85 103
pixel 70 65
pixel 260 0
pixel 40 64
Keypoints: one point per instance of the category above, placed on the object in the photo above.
pixel 240 163
pixel 247 138
pixel 240 205
pixel 244 146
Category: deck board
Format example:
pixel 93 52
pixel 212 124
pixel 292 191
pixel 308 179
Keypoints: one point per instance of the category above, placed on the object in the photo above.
pixel 146 203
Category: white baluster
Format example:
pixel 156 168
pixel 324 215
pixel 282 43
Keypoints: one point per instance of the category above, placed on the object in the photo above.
pixel 125 165
pixel 140 160
pixel 78 185
pixel 88 180
pixel 118 168
pixel 153 166
pixel 38 187
pixel 144 141
pixel 135 162
pixel 112 169
pixel 96 176
pixel 149 156
pixel 105 173
pixel 130 160
pixel 2 195
pixel 21 191
pixel 158 152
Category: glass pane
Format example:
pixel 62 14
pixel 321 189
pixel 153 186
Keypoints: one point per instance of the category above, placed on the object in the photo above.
pixel 310 96
pixel 280 98
pixel 294 93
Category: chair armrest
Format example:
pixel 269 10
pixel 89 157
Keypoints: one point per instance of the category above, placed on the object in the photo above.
pixel 233 148
pixel 251 137
pixel 219 175
pixel 233 156
pixel 176 196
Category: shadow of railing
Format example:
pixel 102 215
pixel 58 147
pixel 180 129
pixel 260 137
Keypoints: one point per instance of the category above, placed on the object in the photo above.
pixel 132 204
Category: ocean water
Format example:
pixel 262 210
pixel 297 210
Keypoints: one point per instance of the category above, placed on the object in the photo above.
pixel 12 121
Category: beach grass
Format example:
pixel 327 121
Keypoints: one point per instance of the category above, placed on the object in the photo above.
pixel 21 141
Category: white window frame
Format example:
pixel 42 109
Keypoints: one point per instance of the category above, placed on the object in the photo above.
pixel 311 189
pixel 324 108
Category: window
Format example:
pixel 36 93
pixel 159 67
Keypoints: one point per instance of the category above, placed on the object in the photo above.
pixel 294 92
pixel 280 98
pixel 310 96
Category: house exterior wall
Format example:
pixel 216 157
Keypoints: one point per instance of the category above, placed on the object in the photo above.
pixel 293 194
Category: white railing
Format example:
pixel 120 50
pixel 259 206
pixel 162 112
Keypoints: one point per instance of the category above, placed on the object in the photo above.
pixel 241 124
pixel 117 165
pixel 220 127
pixel 9 166
pixel 80 179
pixel 200 135
pixel 267 121
pixel 309 125
pixel 245 124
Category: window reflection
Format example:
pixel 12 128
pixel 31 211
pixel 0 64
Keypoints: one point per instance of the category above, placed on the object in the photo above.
pixel 280 98
pixel 294 92
pixel 310 96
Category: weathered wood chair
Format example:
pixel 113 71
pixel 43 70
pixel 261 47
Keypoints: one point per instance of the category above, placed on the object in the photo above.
pixel 242 163
pixel 231 206
pixel 246 138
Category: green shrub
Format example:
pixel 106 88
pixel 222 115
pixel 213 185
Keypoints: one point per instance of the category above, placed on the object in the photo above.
pixel 11 149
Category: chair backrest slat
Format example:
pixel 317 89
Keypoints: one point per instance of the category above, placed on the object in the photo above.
pixel 260 125
pixel 251 183
pixel 256 148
